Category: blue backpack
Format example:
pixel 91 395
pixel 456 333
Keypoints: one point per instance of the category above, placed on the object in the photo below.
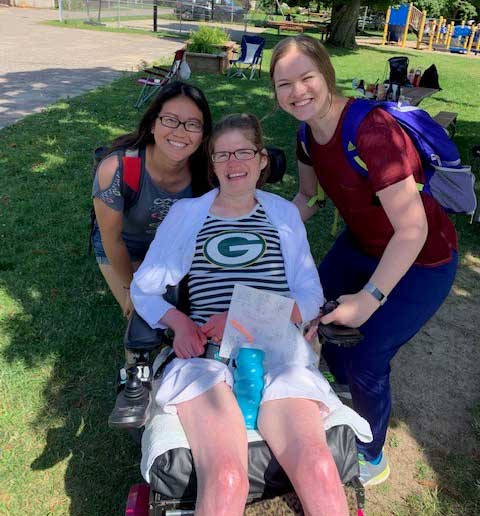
pixel 446 179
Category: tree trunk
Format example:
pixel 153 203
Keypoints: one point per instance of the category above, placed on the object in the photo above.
pixel 344 23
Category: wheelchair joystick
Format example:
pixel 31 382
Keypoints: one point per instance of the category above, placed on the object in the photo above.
pixel 132 402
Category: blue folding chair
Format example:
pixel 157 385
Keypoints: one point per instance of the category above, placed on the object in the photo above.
pixel 249 63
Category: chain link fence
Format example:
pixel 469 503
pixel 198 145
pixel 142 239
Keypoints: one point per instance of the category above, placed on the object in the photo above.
pixel 174 16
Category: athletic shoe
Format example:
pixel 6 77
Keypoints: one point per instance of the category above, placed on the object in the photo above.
pixel 373 474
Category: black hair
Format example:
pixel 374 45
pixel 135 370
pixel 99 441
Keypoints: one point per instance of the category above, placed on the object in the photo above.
pixel 198 161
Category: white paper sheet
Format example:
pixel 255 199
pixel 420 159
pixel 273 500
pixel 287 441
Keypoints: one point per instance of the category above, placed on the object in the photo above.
pixel 264 315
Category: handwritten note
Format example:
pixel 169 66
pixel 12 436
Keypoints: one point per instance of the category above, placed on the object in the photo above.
pixel 264 314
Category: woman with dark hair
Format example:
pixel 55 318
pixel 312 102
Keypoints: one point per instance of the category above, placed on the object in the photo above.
pixel 169 149
pixel 399 243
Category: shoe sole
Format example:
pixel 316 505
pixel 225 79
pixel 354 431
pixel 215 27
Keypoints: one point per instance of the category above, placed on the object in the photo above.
pixel 379 479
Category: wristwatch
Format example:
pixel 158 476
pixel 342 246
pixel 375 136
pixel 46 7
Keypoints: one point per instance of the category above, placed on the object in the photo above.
pixel 377 294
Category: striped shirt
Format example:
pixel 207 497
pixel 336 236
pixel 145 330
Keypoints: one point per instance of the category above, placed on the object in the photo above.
pixel 245 250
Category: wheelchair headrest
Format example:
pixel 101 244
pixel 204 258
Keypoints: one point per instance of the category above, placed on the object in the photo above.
pixel 278 164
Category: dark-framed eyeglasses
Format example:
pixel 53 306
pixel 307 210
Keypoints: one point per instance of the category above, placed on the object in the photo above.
pixel 192 126
pixel 240 154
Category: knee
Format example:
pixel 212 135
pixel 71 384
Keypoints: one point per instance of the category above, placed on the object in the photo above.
pixel 317 465
pixel 371 379
pixel 228 479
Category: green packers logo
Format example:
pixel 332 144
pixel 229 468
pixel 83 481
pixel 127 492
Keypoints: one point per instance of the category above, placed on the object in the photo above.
pixel 234 248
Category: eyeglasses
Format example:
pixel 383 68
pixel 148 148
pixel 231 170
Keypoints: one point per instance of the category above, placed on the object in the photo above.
pixel 192 126
pixel 240 154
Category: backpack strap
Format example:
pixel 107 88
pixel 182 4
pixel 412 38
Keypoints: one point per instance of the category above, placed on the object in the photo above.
pixel 355 115
pixel 319 198
pixel 131 177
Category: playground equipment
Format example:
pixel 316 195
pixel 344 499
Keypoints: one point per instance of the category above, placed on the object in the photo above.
pixel 399 19
pixel 439 35
pixel 458 39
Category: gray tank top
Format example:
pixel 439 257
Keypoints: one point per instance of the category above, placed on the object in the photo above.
pixel 141 220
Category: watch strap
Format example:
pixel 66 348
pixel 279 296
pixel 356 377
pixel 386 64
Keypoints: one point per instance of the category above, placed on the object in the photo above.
pixel 375 292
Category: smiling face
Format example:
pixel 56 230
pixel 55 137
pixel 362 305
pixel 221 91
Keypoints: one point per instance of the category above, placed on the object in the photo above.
pixel 300 87
pixel 177 143
pixel 238 176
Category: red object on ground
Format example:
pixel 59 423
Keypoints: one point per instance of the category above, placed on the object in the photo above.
pixel 137 502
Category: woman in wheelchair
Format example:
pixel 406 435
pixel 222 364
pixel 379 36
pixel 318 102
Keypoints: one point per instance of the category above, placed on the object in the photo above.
pixel 275 257
pixel 143 174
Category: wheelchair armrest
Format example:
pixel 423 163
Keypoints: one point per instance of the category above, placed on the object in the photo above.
pixel 140 336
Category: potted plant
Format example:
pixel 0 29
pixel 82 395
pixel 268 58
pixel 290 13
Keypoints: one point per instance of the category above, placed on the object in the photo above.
pixel 209 50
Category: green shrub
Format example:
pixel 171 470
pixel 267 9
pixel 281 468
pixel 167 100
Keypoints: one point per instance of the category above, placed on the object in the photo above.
pixel 206 40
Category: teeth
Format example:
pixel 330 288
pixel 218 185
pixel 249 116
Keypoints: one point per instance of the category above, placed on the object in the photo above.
pixel 301 103
pixel 179 145
pixel 239 174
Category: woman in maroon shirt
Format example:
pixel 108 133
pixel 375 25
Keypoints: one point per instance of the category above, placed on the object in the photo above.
pixel 399 244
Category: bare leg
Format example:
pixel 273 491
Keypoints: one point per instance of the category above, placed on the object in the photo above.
pixel 293 428
pixel 216 433
pixel 114 282
pixel 116 285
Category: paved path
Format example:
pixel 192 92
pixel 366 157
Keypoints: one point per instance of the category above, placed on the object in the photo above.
pixel 40 64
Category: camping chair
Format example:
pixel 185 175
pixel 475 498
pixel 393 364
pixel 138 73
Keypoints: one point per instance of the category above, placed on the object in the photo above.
pixel 398 70
pixel 250 59
pixel 157 77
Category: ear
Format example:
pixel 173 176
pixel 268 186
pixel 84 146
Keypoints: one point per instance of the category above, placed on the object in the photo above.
pixel 263 158
pixel 152 127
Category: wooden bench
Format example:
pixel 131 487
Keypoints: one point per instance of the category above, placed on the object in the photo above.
pixel 288 25
pixel 448 121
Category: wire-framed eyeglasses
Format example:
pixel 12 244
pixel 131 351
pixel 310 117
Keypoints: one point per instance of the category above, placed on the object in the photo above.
pixel 240 154
pixel 192 126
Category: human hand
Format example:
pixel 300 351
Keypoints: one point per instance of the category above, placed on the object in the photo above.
pixel 215 326
pixel 128 307
pixel 189 341
pixel 353 310
pixel 312 329
pixel 296 316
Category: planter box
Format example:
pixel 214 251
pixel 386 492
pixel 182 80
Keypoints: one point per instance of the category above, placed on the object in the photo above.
pixel 211 63
pixel 206 63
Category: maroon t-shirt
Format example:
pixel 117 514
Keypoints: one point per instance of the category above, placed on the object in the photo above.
pixel 390 157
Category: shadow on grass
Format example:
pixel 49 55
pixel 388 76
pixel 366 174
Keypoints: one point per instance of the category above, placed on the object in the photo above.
pixel 66 316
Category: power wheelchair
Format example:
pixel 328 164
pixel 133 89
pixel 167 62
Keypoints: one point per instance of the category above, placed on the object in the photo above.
pixel 172 487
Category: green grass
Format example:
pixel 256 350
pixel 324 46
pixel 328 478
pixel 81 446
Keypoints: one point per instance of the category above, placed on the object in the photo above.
pixel 60 329
pixel 85 25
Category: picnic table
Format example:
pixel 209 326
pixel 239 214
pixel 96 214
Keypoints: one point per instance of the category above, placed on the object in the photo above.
pixel 322 27
pixel 289 25
pixel 416 94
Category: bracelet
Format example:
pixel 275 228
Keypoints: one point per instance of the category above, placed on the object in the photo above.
pixel 377 294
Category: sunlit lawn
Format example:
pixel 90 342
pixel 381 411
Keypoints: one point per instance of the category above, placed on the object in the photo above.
pixel 60 330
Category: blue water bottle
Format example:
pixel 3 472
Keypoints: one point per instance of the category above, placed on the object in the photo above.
pixel 248 383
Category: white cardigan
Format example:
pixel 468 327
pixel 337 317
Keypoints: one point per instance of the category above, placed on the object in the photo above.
pixel 170 255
